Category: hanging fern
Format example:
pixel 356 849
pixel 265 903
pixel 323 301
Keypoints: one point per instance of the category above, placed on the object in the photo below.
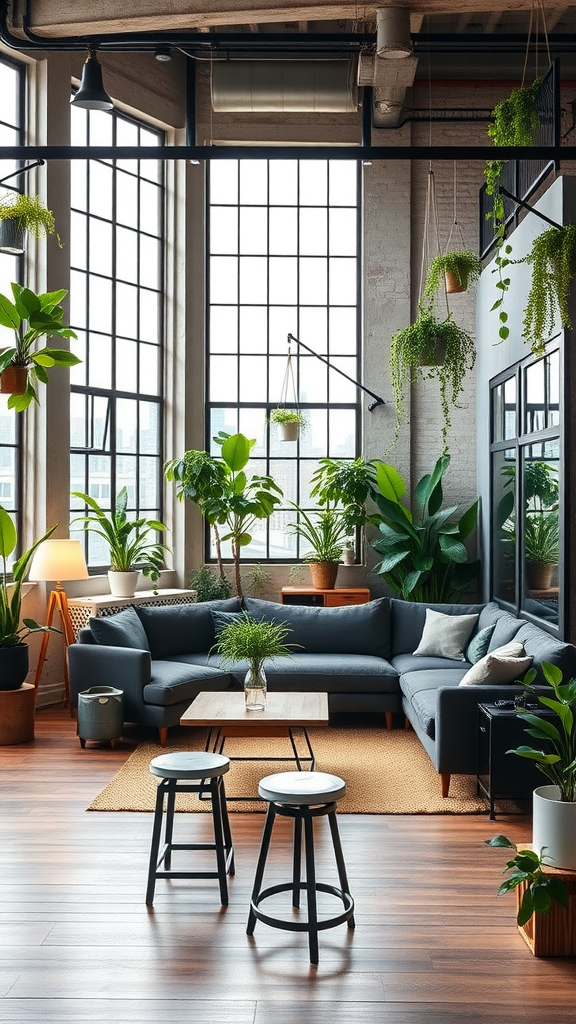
pixel 553 262
pixel 426 349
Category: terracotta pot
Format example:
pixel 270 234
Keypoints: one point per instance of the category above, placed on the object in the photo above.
pixel 538 575
pixel 324 574
pixel 13 380
pixel 452 284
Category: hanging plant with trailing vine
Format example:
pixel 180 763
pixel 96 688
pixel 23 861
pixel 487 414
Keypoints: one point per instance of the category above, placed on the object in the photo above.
pixel 463 264
pixel 426 349
pixel 553 262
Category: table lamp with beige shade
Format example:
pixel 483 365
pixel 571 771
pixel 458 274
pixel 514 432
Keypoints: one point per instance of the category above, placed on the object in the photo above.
pixel 58 561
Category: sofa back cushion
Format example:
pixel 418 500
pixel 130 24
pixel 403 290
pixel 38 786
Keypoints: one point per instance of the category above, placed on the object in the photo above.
pixel 445 636
pixel 121 630
pixel 544 647
pixel 355 629
pixel 505 629
pixel 408 618
pixel 182 628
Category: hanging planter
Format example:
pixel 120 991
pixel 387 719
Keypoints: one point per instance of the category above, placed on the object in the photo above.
pixel 457 270
pixel 553 262
pixel 288 423
pixel 21 214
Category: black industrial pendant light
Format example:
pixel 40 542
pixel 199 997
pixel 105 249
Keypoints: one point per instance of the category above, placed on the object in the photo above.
pixel 92 95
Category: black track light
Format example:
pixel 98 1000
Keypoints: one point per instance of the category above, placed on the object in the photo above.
pixel 92 95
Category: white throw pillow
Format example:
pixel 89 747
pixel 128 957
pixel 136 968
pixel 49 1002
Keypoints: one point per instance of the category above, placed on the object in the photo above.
pixel 502 665
pixel 445 636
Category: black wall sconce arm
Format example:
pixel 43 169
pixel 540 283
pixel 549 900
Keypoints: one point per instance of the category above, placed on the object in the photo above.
pixel 377 399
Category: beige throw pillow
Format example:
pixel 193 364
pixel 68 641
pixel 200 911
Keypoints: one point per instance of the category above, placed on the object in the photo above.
pixel 502 665
pixel 445 636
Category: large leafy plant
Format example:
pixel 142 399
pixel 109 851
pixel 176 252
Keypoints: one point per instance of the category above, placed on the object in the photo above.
pixel 324 530
pixel 32 317
pixel 13 629
pixel 424 557
pixel 555 756
pixel 349 483
pixel 526 868
pixel 225 495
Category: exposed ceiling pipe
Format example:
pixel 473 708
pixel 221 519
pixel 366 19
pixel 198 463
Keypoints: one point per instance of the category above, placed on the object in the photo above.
pixel 390 69
pixel 284 86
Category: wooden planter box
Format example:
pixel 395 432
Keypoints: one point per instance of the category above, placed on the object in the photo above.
pixel 552 934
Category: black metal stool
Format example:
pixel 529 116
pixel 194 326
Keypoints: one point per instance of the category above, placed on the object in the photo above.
pixel 302 796
pixel 190 772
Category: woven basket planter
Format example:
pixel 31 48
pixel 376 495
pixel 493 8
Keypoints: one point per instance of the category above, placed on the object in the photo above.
pixel 324 575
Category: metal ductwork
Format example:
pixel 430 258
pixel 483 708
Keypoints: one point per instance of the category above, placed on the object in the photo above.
pixel 297 86
pixel 390 69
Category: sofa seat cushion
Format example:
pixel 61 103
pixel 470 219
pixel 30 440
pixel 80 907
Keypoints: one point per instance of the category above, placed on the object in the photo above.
pixel 175 681
pixel 420 690
pixel 355 629
pixel 182 628
pixel 321 673
pixel 413 663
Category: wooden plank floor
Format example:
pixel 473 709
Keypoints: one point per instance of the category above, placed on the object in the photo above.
pixel 432 944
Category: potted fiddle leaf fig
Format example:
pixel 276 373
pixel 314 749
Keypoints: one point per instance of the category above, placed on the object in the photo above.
pixel 22 364
pixel 14 630
pixel 19 214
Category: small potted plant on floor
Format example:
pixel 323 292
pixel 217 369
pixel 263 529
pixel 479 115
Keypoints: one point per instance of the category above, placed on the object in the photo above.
pixel 288 423
pixel 245 639
pixel 129 541
pixel 456 269
pixel 324 530
pixel 31 317
pixel 13 629
pixel 19 214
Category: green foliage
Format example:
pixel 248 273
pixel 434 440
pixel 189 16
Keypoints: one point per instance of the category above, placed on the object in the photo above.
pixel 32 317
pixel 210 586
pixel 288 416
pixel 556 755
pixel 424 556
pixel 540 890
pixel 324 529
pixel 463 264
pixel 127 539
pixel 348 483
pixel 431 348
pixel 541 523
pixel 258 580
pixel 12 631
pixel 553 262
pixel 224 494
pixel 31 213
pixel 249 640
pixel 515 123
pixel 542 536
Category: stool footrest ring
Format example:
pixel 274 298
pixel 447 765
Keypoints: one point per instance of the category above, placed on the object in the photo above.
pixel 303 926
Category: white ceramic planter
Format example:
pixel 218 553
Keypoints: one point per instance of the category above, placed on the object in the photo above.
pixel 288 431
pixel 123 584
pixel 348 556
pixel 554 826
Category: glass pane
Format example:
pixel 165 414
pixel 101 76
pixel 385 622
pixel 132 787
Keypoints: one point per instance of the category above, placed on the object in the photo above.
pixel 78 240
pixel 504 525
pixel 313 232
pixel 149 428
pixel 223 279
pixel 553 418
pixel 127 310
pixel 283 182
pixel 541 530
pixel 253 279
pixel 253 329
pixel 9 89
pixel 535 400
pixel 222 419
pixel 100 247
pixel 100 189
pixel 341 390
pixel 150 324
pixel 313 380
pixel 313 328
pixel 314 440
pixel 126 476
pixel 342 433
pixel 343 182
pixel 224 181
pixel 150 253
pixel 78 126
pixel 254 182
pixel 100 299
pixel 253 425
pixel 126 425
pixel 78 282
pixel 126 365
pixel 223 379
pixel 224 230
pixel 313 182
pixel 79 185
pixel 343 331
pixel 283 280
pixel 253 230
pixel 127 135
pixel 283 321
pixel 313 281
pixel 283 232
pixel 307 469
pixel 78 428
pixel 149 491
pixel 127 199
pixel 504 410
pixel 149 369
pixel 343 232
pixel 283 543
pixel 253 379
pixel 343 283
pixel 100 361
pixel 127 254
pixel 223 328
pixel 150 208
pixel 285 473
pixel 100 128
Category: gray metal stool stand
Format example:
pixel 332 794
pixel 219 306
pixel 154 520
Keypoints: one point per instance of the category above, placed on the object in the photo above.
pixel 302 796
pixel 190 772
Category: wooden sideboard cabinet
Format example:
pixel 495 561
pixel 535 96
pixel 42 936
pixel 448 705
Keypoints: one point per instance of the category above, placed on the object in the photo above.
pixel 335 598
pixel 83 608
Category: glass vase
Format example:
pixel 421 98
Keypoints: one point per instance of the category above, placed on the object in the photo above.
pixel 255 689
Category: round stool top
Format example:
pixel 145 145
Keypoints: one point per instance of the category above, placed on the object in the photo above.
pixel 302 788
pixel 190 764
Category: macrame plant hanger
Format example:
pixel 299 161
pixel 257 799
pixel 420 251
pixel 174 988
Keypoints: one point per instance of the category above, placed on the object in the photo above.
pixel 455 242
pixel 288 430
pixel 431 235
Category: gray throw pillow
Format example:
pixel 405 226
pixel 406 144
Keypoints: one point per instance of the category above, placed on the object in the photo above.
pixel 445 636
pixel 121 630
pixel 222 619
pixel 478 646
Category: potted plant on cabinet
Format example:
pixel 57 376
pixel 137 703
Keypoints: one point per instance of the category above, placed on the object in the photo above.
pixel 431 348
pixel 288 422
pixel 324 530
pixel 14 630
pixel 541 547
pixel 31 317
pixel 245 639
pixel 128 540
pixel 456 269
pixel 19 214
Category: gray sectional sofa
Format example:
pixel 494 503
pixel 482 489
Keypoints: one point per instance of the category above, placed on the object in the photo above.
pixel 361 655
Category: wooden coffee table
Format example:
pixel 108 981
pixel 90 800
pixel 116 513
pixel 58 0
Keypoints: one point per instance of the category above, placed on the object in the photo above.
pixel 224 714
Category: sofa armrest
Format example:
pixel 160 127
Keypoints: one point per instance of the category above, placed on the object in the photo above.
pixel 125 668
pixel 456 727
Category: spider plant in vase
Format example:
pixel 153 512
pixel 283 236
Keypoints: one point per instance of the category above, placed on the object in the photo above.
pixel 245 639
pixel 325 530
pixel 456 270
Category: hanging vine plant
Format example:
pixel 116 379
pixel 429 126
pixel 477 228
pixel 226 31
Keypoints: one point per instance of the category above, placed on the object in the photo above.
pixel 515 122
pixel 426 349
pixel 462 265
pixel 553 262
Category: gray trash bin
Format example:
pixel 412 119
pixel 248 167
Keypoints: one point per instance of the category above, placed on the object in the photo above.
pixel 100 714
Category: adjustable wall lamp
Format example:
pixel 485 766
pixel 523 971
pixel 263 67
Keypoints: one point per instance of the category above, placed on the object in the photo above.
pixel 377 400
pixel 92 95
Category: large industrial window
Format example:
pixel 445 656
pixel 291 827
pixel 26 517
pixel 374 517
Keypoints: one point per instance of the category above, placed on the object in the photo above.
pixel 283 258
pixel 527 489
pixel 12 84
pixel 116 309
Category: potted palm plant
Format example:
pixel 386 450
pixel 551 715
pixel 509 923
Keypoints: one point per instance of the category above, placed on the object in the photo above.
pixel 31 317
pixel 13 629
pixel 325 531
pixel 245 639
pixel 129 541
pixel 19 214
pixel 456 269
pixel 288 423
pixel 541 547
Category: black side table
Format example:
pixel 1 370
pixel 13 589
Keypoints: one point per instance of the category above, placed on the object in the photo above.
pixel 501 775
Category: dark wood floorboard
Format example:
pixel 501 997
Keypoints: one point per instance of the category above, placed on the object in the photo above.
pixel 432 945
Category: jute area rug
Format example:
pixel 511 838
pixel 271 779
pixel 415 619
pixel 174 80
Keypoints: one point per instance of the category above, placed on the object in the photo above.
pixel 385 772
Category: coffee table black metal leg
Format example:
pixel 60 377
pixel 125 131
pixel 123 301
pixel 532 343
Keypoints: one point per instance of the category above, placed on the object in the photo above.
pixel 311 888
pixel 343 877
pixel 297 862
pixel 264 847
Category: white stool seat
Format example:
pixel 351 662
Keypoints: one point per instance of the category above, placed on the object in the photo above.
pixel 301 788
pixel 190 764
